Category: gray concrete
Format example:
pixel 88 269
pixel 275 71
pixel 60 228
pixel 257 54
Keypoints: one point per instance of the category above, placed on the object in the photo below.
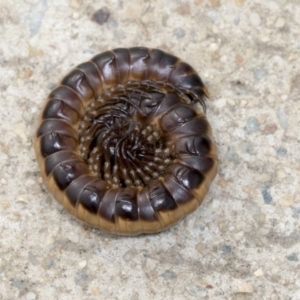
pixel 243 242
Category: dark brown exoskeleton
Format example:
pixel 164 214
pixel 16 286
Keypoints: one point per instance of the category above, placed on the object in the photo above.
pixel 123 144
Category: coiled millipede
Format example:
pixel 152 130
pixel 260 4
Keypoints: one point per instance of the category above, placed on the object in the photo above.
pixel 122 143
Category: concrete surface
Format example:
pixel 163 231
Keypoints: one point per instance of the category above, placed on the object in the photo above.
pixel 243 242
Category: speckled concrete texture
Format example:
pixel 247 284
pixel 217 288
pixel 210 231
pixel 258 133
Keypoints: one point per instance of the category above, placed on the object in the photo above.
pixel 243 242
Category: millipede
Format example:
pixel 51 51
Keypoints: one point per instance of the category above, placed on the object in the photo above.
pixel 123 141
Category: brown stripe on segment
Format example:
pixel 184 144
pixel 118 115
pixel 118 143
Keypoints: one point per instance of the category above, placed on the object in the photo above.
pixel 186 78
pixel 75 189
pixel 126 204
pixel 159 196
pixel 92 195
pixel 92 75
pixel 106 211
pixel 55 159
pixel 205 165
pixel 89 202
pixel 53 142
pixel 199 145
pixel 66 172
pixel 181 71
pixel 106 64
pixel 127 218
pixel 122 56
pixel 183 197
pixel 148 218
pixel 198 152
pixel 201 191
pixel 70 97
pixel 107 207
pixel 202 164
pixel 188 177
pixel 153 64
pixel 171 217
pixel 178 115
pixel 189 81
pixel 193 83
pixel 77 81
pixel 146 211
pixel 58 194
pixel 56 125
pixel 72 192
pixel 139 61
pixel 195 126
pixel 167 64
pixel 58 109
pixel 40 158
pixel 164 204
pixel 55 177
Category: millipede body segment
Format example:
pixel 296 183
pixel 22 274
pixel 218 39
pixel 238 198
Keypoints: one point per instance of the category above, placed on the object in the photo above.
pixel 123 143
